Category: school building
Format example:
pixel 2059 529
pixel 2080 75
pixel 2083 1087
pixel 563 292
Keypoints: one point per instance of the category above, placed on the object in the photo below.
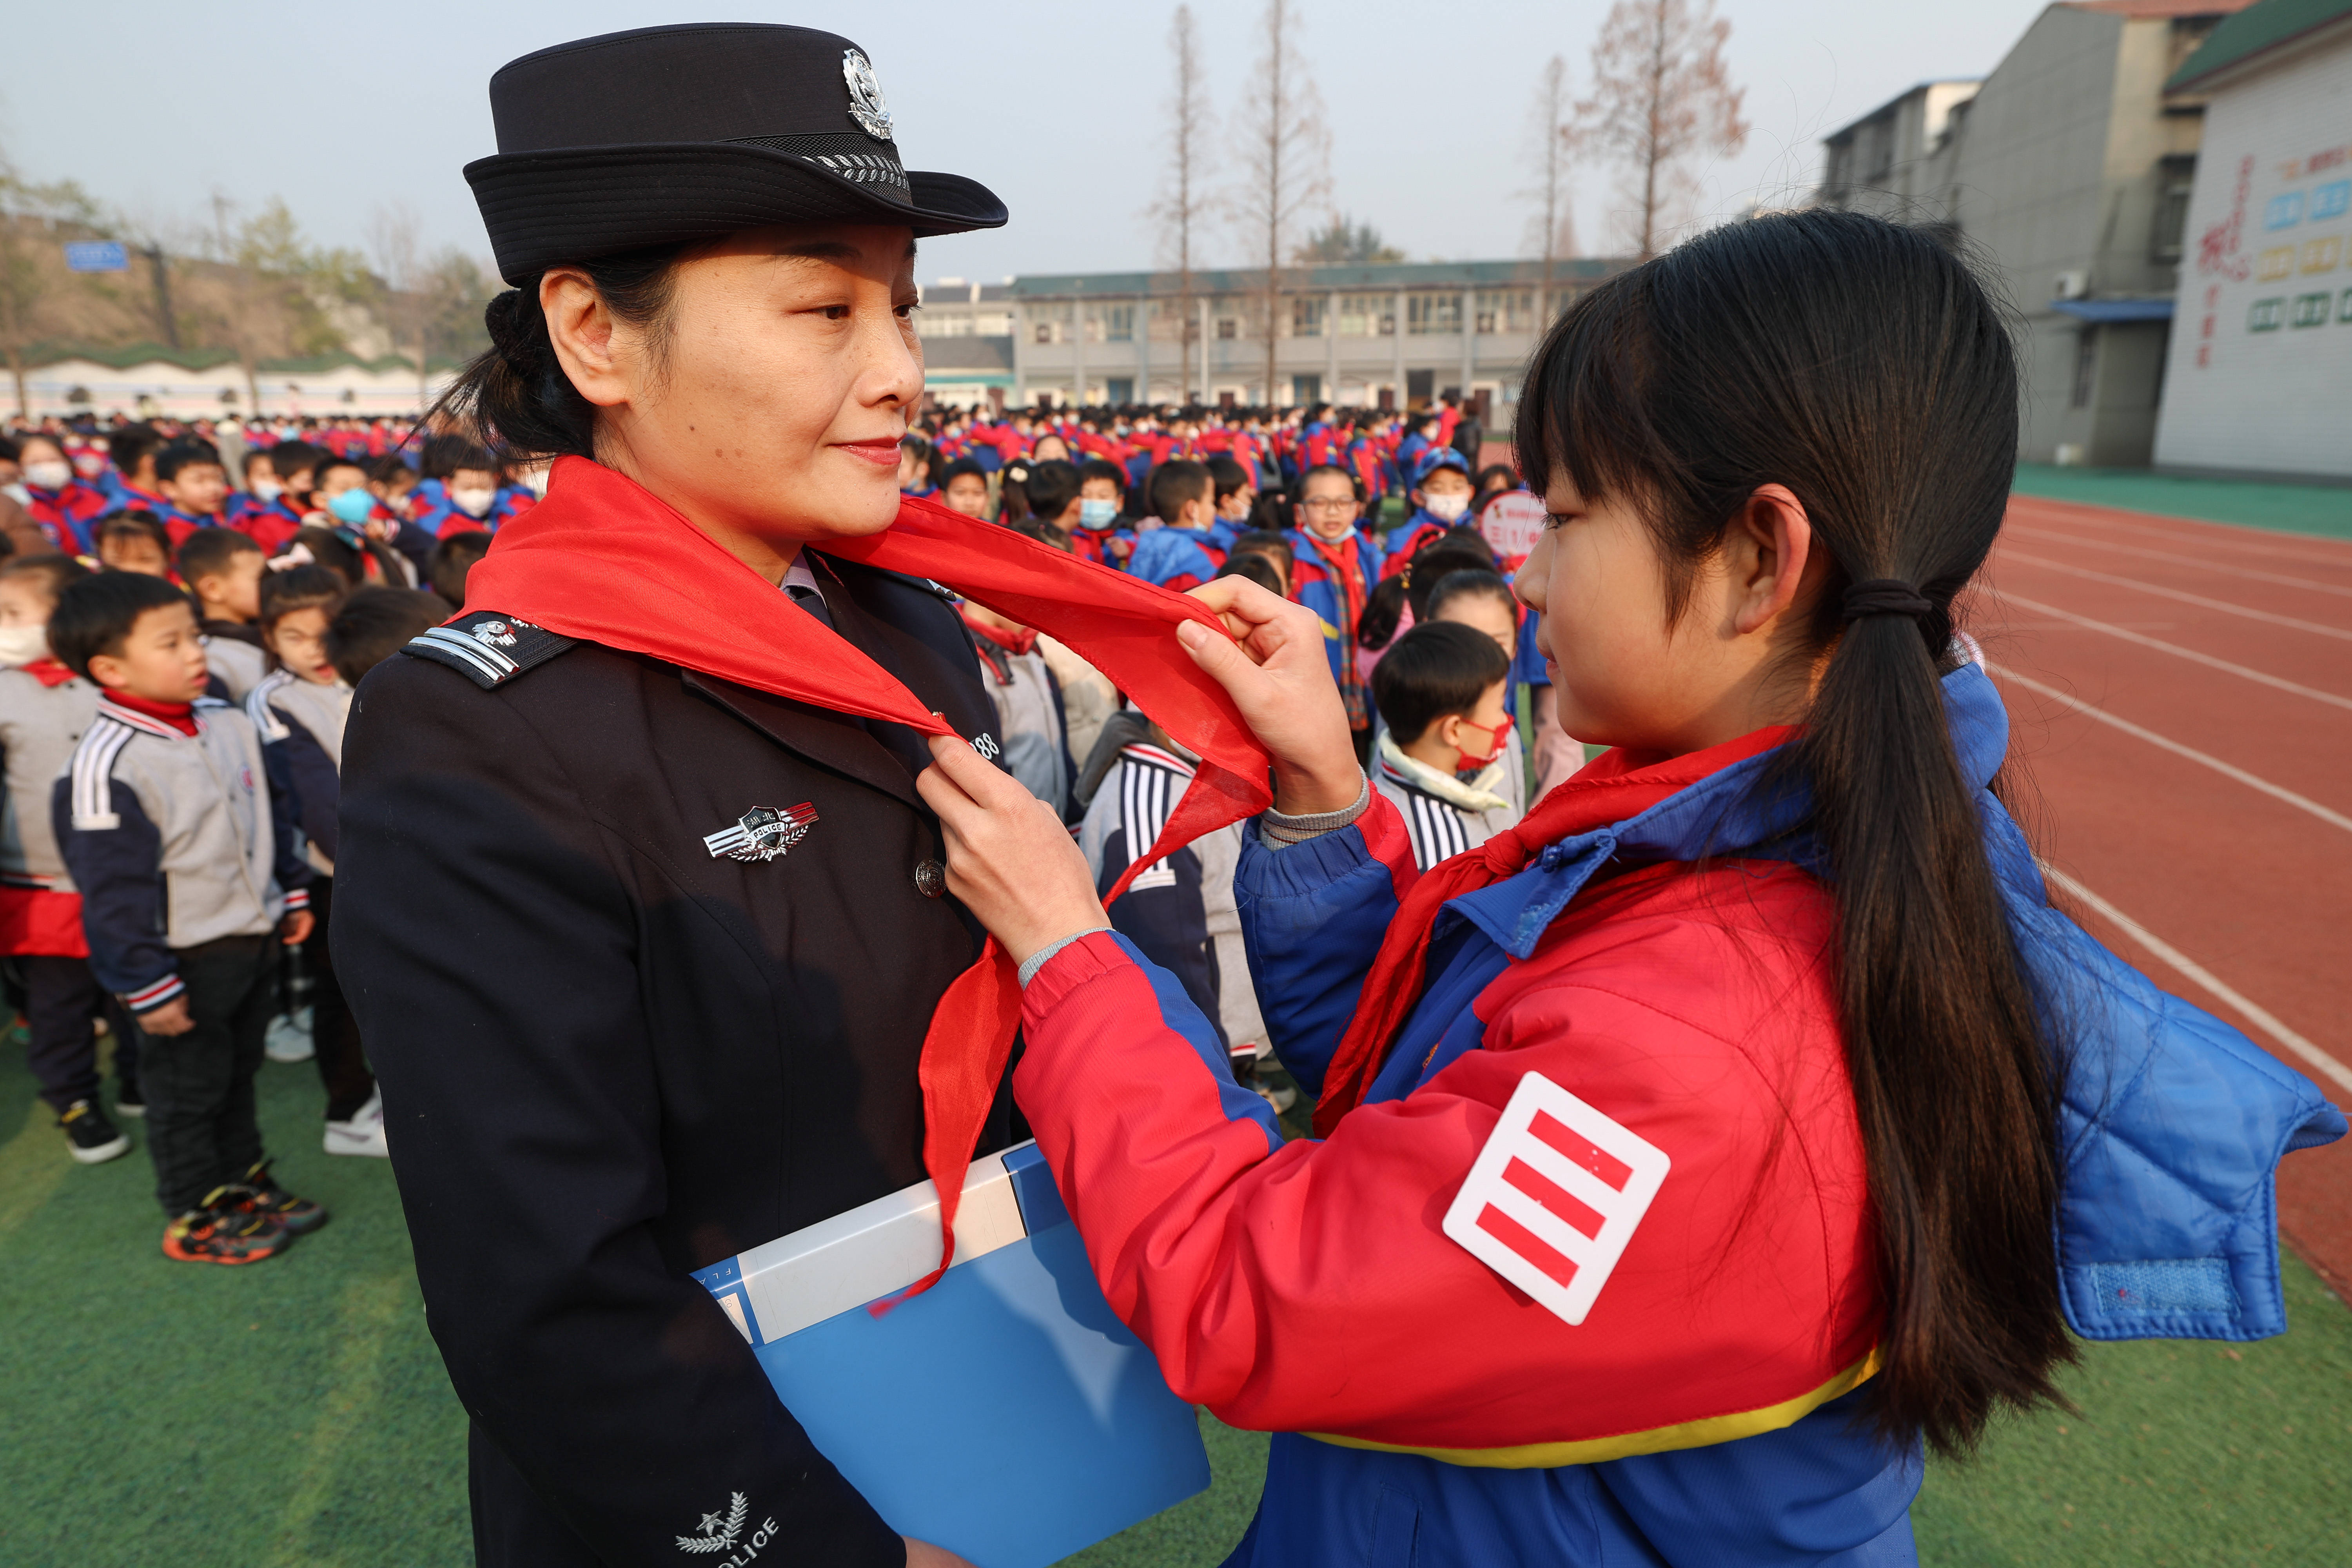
pixel 1388 336
pixel 2259 376
pixel 150 381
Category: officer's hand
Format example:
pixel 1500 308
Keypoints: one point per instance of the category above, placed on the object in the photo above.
pixel 1010 860
pixel 923 1554
pixel 295 929
pixel 171 1019
pixel 1280 678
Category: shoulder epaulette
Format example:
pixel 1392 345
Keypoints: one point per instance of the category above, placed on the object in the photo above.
pixel 488 648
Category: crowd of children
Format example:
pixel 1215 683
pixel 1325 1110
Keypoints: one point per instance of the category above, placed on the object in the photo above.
pixel 183 614
pixel 184 610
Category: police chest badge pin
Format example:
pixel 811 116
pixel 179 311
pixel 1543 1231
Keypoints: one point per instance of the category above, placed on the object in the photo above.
pixel 763 833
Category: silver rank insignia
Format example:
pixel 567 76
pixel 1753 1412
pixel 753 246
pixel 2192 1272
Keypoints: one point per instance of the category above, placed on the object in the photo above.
pixel 764 833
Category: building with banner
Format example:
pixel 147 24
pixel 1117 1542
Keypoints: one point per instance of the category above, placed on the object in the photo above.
pixel 1396 335
pixel 2258 378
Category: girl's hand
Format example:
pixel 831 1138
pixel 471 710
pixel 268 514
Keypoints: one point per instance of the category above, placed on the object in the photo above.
pixel 1010 860
pixel 1279 676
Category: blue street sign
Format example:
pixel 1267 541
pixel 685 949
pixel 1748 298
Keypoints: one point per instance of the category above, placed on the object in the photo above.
pixel 98 256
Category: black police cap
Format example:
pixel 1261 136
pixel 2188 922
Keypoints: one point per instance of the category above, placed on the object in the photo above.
pixel 671 135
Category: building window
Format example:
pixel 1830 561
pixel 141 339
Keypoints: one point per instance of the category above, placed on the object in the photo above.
pixel 1506 309
pixel 2265 315
pixel 2311 309
pixel 2344 307
pixel 2175 178
pixel 1119 390
pixel 1045 332
pixel 1306 317
pixel 1306 389
pixel 1366 315
pixel 1433 314
pixel 1119 326
pixel 2086 366
pixel 1227 327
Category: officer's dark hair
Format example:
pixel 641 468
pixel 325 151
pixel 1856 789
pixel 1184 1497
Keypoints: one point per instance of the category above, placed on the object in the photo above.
pixel 1176 481
pixel 1049 489
pixel 129 444
pixel 185 454
pixel 1229 477
pixel 1254 567
pixel 1433 670
pixel 96 614
pixel 299 588
pixel 374 623
pixel 1104 468
pixel 1859 364
pixel 54 570
pixel 452 559
pixel 207 552
pixel 514 397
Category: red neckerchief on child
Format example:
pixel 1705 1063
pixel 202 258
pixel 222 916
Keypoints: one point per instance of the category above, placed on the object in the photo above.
pixel 181 716
pixel 603 560
pixel 1012 642
pixel 1616 785
pixel 47 671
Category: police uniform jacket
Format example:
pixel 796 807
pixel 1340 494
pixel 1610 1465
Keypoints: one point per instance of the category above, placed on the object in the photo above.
pixel 610 1057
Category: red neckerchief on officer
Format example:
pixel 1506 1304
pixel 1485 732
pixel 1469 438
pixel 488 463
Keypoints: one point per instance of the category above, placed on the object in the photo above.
pixel 603 560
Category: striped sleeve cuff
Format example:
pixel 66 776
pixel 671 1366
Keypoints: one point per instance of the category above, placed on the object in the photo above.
pixel 149 997
pixel 300 898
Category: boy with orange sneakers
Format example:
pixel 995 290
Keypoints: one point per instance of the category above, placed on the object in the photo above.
pixel 186 862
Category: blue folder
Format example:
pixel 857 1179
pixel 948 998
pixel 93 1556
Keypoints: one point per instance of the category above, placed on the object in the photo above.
pixel 1005 1413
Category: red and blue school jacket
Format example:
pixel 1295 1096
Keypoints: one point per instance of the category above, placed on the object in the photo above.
pixel 1589 1277
pixel 1315 582
pixel 1421 529
pixel 65 515
pixel 1178 558
pixel 270 525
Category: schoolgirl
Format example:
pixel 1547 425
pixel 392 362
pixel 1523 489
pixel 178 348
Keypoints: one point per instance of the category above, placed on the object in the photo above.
pixel 1692 1152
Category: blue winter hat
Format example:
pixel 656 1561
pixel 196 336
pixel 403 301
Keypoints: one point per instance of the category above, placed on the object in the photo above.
pixel 1434 458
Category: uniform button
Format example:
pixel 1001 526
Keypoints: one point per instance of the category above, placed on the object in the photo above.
pixel 931 879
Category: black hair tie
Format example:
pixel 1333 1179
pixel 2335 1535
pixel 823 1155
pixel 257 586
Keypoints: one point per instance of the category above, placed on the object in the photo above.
pixel 1884 596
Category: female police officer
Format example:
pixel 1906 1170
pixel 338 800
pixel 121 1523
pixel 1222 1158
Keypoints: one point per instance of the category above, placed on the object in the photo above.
pixel 633 1009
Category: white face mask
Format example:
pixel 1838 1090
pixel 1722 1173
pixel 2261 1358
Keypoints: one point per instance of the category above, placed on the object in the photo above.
pixel 49 476
pixel 21 644
pixel 266 490
pixel 473 502
pixel 1446 508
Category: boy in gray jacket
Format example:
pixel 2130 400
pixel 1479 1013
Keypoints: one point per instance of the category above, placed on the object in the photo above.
pixel 187 863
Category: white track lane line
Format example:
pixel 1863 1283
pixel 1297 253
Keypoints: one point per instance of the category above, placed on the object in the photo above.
pixel 2186 598
pixel 2188 653
pixel 2202 562
pixel 2260 1016
pixel 2240 536
pixel 2252 781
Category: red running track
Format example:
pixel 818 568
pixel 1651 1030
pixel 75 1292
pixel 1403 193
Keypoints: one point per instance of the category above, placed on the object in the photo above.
pixel 2181 701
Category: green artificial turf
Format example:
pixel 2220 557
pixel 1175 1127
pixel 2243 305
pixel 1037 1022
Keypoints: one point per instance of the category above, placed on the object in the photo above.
pixel 295 1412
pixel 2323 510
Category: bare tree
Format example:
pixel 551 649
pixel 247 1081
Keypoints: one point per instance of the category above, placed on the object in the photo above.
pixel 1285 150
pixel 395 243
pixel 1662 95
pixel 1186 205
pixel 1551 157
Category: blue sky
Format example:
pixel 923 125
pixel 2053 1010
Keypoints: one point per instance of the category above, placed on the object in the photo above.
pixel 1056 104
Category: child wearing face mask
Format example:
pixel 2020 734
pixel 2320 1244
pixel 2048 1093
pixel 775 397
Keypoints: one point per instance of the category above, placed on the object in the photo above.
pixel 1441 498
pixel 264 510
pixel 1446 760
pixel 1103 533
pixel 44 709
pixel 64 505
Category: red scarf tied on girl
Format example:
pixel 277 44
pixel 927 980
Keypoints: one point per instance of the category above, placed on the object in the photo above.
pixel 603 560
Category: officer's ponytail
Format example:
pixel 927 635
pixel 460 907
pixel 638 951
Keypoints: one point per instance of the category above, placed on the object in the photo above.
pixel 514 397
pixel 1863 366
